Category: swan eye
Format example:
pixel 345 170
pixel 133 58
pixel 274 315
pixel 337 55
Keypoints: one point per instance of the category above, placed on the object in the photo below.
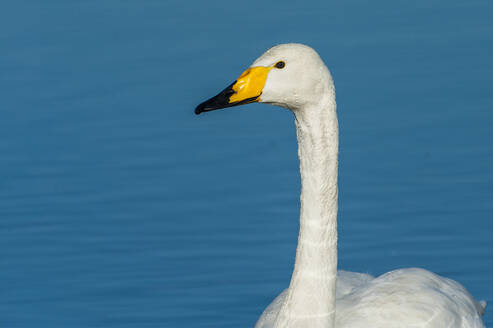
pixel 280 64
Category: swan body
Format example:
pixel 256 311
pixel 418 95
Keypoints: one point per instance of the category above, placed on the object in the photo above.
pixel 294 77
pixel 410 297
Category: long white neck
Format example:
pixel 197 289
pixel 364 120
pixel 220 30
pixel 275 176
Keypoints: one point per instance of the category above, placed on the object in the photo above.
pixel 310 301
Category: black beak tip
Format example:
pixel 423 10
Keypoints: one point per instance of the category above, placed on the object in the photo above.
pixel 217 102
pixel 203 107
pixel 198 110
pixel 206 106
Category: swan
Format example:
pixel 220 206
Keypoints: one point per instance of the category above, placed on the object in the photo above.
pixel 293 76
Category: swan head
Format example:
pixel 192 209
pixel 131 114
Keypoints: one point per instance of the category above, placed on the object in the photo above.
pixel 290 75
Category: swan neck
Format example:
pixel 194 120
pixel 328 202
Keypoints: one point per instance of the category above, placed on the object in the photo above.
pixel 311 296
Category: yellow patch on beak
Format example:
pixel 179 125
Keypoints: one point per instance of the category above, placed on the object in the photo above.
pixel 250 84
pixel 245 90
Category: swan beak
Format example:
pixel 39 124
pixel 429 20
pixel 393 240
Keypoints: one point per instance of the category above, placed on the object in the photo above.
pixel 245 90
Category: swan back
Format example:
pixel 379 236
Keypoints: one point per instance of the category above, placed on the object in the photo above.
pixel 402 298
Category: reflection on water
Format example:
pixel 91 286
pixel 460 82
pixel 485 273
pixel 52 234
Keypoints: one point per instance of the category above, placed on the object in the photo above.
pixel 120 208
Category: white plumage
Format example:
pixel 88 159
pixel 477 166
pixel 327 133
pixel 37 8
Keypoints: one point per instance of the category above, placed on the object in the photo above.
pixel 402 298
pixel 319 296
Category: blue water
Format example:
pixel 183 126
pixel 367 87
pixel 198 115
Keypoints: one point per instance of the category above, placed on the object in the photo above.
pixel 120 208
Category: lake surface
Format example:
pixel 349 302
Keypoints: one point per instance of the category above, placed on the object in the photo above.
pixel 120 208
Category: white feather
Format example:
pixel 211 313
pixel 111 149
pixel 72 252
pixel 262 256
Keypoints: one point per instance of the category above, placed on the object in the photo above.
pixel 319 296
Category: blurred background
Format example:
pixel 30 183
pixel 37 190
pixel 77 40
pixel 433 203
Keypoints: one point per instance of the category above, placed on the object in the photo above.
pixel 121 208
